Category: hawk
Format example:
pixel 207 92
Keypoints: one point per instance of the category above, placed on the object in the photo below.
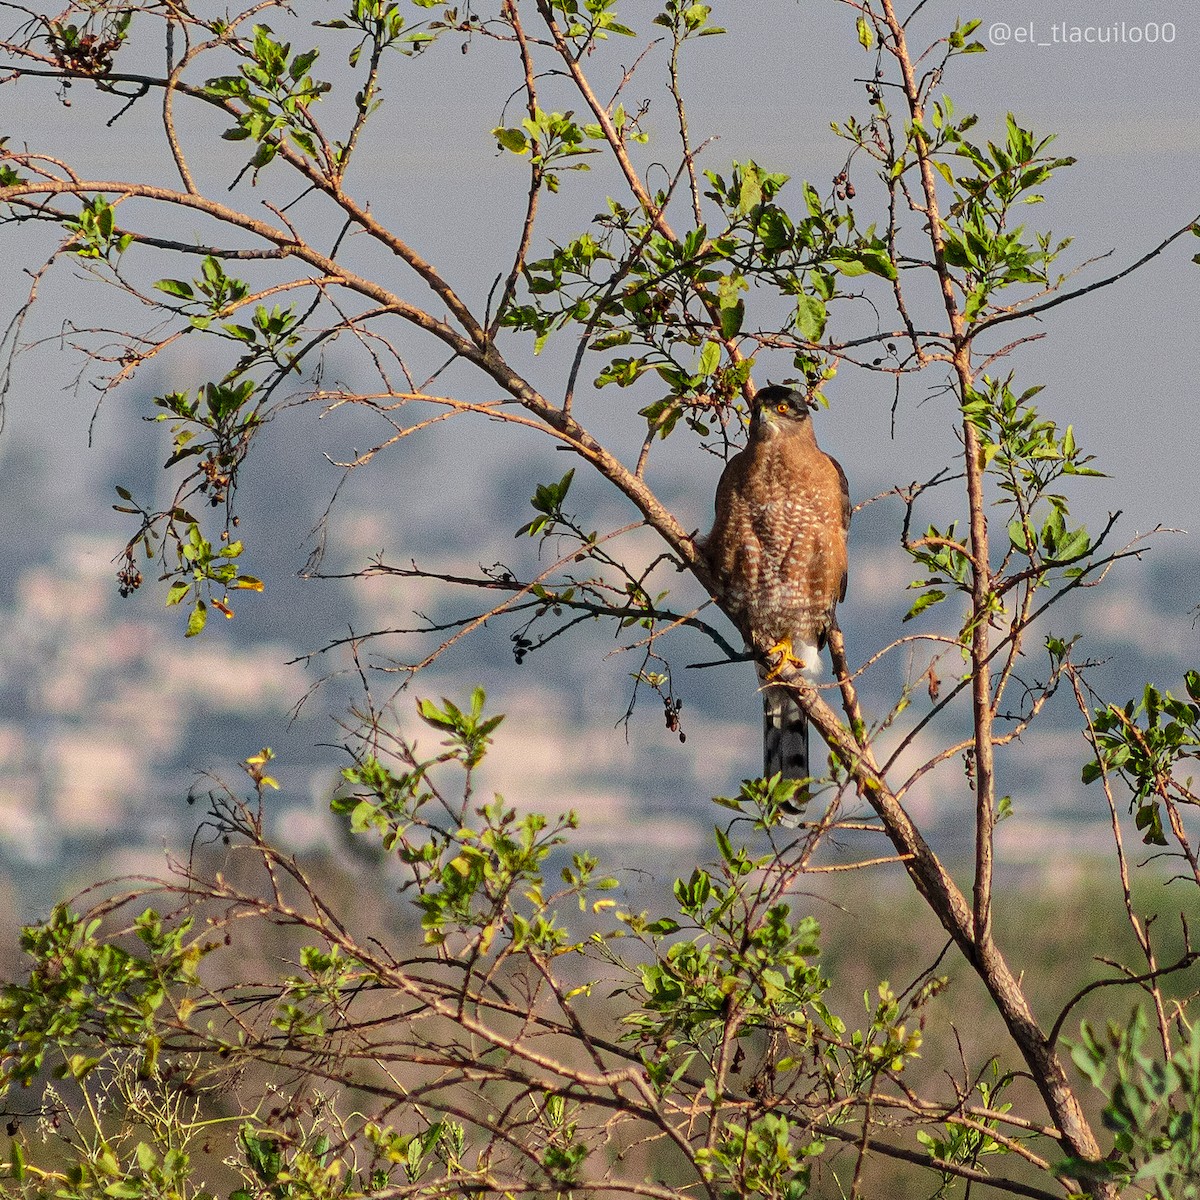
pixel 778 553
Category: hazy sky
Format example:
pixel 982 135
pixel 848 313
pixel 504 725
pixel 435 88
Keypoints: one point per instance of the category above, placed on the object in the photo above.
pixel 1120 363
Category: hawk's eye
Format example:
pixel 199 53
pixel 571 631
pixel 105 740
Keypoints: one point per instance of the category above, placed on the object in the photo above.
pixel 781 408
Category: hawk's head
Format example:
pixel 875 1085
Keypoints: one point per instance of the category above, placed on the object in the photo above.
pixel 779 409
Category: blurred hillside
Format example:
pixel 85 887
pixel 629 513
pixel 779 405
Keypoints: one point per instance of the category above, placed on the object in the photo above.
pixel 109 718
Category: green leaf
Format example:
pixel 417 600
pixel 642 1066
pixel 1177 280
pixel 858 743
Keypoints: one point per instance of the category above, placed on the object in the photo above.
pixel 1074 544
pixel 197 620
pixel 750 193
pixel 858 260
pixel 710 358
pixel 723 844
pixel 775 229
pixel 78 1066
pixel 511 139
pixel 731 319
pixel 848 266
pixel 924 601
pixel 176 287
pixel 301 64
pixel 1149 820
pixel 1089 1060
pixel 811 315
pixel 866 33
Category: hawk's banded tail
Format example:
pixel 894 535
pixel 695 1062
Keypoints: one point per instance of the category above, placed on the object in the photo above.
pixel 785 735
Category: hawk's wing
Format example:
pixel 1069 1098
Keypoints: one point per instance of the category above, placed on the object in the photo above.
pixel 846 512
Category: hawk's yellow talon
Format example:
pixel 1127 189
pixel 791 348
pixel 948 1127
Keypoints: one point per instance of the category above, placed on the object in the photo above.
pixel 786 659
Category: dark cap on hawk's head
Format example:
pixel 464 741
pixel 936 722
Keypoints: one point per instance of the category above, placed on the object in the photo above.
pixel 778 409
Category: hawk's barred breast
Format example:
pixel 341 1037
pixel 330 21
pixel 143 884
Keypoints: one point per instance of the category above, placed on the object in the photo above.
pixel 778 544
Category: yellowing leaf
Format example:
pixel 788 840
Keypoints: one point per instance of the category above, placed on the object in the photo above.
pixel 199 616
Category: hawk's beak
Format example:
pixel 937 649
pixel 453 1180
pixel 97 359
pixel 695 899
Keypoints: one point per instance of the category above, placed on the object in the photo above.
pixel 766 417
